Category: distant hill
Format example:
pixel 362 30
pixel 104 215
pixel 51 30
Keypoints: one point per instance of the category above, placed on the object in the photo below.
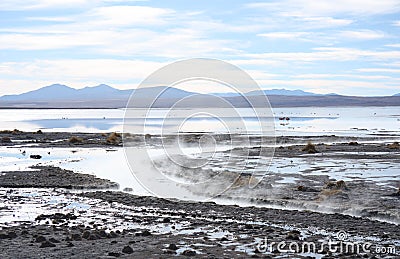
pixel 281 92
pixel 63 92
pixel 397 94
pixel 101 92
pixel 104 96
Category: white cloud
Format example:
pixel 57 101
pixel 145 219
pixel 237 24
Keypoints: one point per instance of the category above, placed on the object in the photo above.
pixel 331 8
pixel 41 4
pixel 323 21
pixel 362 35
pixel 328 54
pixel 379 70
pixel 393 45
pixel 284 35
pixel 18 5
pixel 120 15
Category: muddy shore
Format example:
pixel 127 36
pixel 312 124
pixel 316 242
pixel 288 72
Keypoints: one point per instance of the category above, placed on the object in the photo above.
pixel 117 224
pixel 131 226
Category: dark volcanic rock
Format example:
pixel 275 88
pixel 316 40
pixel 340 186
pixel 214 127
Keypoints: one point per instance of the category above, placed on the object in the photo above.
pixel 114 254
pixel 46 244
pixel 40 239
pixel 189 253
pixel 127 250
pixel 49 177
pixel 172 247
pixel 35 156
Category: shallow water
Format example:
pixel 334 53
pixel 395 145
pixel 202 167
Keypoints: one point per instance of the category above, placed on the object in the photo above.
pixel 111 164
pixel 348 121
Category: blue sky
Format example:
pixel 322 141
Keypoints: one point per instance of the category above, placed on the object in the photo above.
pixel 348 47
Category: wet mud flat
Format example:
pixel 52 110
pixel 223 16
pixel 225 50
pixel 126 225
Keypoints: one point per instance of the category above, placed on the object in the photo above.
pixel 110 224
pixel 66 215
pixel 91 140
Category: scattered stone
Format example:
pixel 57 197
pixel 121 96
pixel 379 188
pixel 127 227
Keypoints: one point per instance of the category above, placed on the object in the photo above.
pixel 114 254
pixel 127 250
pixel 338 185
pixel 353 143
pixel 86 235
pixel 76 237
pixel 46 244
pixel 189 253
pixel 128 189
pixel 53 240
pixel 302 188
pixel 172 247
pixel 40 239
pixel 146 233
pixel 35 156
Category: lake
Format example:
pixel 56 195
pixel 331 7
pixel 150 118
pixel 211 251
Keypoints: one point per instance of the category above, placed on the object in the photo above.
pixel 348 121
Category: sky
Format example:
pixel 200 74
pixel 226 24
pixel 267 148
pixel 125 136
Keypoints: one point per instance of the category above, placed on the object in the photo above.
pixel 349 47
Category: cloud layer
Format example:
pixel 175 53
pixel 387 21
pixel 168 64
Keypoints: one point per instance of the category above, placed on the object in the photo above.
pixel 348 47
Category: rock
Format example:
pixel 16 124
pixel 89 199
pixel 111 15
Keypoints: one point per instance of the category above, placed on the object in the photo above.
pixel 127 250
pixel 115 254
pixel 3 236
pixel 172 247
pixel 53 240
pixel 102 233
pixel 145 233
pixel 76 237
pixel 35 156
pixel 40 239
pixel 128 189
pixel 354 143
pixel 189 253
pixel 293 236
pixel 302 188
pixel 93 236
pixel 86 235
pixel 166 220
pixel 70 244
pixel 12 234
pixel 46 244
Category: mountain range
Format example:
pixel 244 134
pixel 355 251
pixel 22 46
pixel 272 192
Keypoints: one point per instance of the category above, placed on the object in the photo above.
pixel 102 91
pixel 105 96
